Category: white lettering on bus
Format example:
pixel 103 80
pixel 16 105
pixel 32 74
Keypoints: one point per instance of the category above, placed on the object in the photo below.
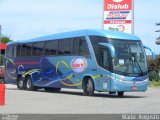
pixel 119 6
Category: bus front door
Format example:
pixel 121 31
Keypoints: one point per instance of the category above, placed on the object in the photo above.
pixel 105 62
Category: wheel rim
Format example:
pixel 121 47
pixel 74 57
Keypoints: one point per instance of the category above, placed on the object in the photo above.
pixel 28 84
pixel 21 83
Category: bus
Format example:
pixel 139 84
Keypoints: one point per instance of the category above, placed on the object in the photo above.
pixel 91 60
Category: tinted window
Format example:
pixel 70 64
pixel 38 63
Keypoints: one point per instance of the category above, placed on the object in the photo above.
pixel 83 48
pixel 18 50
pixel 51 47
pixel 104 58
pixel 26 49
pixel 9 51
pixel 76 46
pixel 14 51
pixel 64 47
pixel 95 40
pixel 80 46
pixel 37 49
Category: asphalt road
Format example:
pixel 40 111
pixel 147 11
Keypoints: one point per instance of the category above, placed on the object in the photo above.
pixel 72 101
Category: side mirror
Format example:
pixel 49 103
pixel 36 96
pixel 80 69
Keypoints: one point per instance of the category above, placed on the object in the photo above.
pixel 152 51
pixel 111 48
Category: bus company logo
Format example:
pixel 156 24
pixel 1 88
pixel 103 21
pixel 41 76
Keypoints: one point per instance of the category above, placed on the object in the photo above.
pixel 118 4
pixel 120 28
pixel 117 7
pixel 78 65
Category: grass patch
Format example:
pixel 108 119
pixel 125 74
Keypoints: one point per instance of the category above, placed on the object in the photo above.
pixel 154 83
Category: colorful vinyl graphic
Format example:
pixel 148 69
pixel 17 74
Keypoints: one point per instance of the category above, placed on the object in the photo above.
pixel 45 73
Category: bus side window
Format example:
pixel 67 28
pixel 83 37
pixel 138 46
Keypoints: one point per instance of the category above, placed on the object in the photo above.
pixel 23 50
pixel 18 50
pixel 75 48
pixel 9 51
pixel 80 46
pixel 83 47
pixel 26 50
pixel 14 52
pixel 29 49
pixel 64 47
pixel 50 47
pixel 37 49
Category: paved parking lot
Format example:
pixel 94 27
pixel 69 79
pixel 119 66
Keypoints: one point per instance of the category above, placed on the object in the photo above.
pixel 72 101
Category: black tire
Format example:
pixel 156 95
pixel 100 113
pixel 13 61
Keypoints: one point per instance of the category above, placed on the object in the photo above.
pixel 84 86
pixel 29 84
pixel 88 87
pixel 50 89
pixel 21 83
pixel 120 94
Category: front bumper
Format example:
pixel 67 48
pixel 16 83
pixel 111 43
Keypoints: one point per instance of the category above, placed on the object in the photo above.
pixel 122 85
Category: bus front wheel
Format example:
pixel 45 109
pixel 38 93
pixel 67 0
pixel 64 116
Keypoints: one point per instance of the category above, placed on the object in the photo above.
pixel 88 87
pixel 29 85
pixel 21 83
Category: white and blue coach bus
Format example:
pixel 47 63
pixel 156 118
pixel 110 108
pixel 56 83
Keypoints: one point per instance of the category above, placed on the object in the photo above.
pixel 92 60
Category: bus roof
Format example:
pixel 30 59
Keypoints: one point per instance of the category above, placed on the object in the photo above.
pixel 103 33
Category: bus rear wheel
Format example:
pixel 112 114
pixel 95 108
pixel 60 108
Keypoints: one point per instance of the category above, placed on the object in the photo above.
pixel 21 83
pixel 50 89
pixel 120 94
pixel 29 84
pixel 88 87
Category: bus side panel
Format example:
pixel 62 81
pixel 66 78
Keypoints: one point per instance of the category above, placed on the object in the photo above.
pixel 102 79
pixel 60 72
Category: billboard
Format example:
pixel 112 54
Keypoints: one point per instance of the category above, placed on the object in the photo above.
pixel 118 15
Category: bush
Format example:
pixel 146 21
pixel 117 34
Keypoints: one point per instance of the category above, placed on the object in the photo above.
pixel 154 69
pixel 154 76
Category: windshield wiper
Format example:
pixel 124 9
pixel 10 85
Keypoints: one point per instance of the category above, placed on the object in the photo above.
pixel 139 67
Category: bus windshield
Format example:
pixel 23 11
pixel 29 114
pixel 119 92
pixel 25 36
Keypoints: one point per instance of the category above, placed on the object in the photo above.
pixel 130 57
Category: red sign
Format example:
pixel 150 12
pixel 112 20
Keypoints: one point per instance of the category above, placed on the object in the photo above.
pixel 117 5
pixel 117 21
pixel 118 15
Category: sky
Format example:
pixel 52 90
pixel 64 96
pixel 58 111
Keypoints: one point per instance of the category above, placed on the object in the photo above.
pixel 26 19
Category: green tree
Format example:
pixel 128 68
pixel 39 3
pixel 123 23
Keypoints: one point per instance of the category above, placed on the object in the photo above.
pixel 154 69
pixel 5 39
